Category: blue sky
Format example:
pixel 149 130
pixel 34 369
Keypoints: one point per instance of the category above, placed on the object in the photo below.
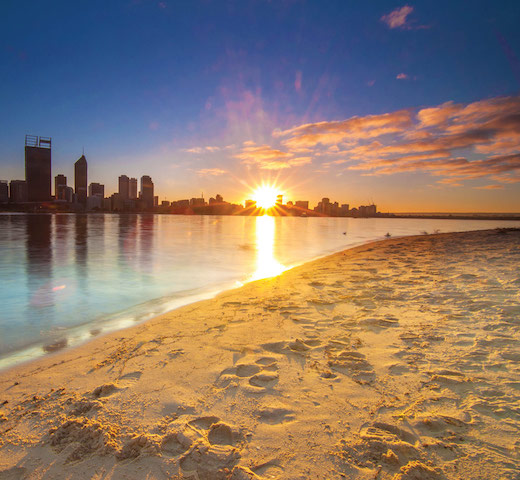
pixel 146 86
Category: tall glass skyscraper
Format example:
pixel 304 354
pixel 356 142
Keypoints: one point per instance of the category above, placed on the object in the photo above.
pixel 38 168
pixel 80 180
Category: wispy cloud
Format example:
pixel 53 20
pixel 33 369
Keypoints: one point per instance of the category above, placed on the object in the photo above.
pixel 490 187
pixel 193 150
pixel 402 76
pixel 298 81
pixel 397 18
pixel 451 182
pixel 211 171
pixel 355 128
pixel 465 141
pixel 268 158
pixel 199 150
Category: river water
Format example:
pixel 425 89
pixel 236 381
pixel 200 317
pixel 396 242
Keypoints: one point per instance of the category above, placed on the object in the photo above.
pixel 67 277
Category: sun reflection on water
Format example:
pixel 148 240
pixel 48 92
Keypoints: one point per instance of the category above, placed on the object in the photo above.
pixel 266 263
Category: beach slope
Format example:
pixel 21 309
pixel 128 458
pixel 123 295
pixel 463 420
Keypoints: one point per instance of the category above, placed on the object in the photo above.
pixel 394 360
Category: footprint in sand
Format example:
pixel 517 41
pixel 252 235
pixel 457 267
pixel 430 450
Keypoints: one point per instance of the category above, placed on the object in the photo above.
pixel 448 379
pixel 297 346
pixel 264 380
pixel 379 322
pixel 389 451
pixel 275 415
pixel 123 382
pixel 208 447
pixel 352 364
pixel 105 390
pixel 14 473
pixel 259 376
pixel 129 379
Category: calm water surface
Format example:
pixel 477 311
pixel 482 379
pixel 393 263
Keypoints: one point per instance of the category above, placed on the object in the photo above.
pixel 69 276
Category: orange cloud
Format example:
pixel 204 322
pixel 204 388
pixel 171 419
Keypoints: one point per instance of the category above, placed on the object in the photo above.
pixel 507 178
pixel 397 17
pixel 451 182
pixel 490 187
pixel 355 128
pixel 211 171
pixel 269 158
pixel 432 140
pixel 429 117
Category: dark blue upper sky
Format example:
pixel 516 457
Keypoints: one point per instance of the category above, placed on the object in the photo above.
pixel 137 82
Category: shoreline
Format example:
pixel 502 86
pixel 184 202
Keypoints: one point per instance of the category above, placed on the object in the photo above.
pixel 514 217
pixel 82 334
pixel 395 358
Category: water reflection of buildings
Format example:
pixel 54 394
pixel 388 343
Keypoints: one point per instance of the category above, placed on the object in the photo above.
pixel 39 247
pixel 80 239
pixel 39 272
pixel 146 231
pixel 266 263
pixel 127 238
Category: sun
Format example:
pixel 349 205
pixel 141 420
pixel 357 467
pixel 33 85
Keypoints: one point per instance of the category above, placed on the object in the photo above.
pixel 265 197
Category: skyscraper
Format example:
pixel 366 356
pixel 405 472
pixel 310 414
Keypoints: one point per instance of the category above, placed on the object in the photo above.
pixel 147 191
pixel 96 189
pixel 60 183
pixel 80 180
pixel 124 187
pixel 133 188
pixel 38 168
pixel 18 191
pixel 4 191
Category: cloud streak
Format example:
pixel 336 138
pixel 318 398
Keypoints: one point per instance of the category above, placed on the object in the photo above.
pixel 397 18
pixel 211 172
pixel 268 158
pixel 466 141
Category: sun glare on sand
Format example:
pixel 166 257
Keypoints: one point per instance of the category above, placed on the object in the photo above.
pixel 265 196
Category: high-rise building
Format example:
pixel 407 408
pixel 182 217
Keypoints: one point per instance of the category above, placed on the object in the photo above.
pixel 197 202
pixel 133 188
pixel 18 191
pixel 80 180
pixel 147 191
pixel 68 194
pixel 96 189
pixel 304 204
pixel 4 191
pixel 124 187
pixel 325 206
pixel 60 183
pixel 279 200
pixel 38 168
pixel 95 202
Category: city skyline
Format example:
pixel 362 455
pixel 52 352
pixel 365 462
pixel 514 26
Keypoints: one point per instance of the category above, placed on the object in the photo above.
pixel 35 194
pixel 414 107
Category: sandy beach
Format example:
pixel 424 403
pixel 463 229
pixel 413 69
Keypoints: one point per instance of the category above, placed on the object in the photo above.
pixel 393 360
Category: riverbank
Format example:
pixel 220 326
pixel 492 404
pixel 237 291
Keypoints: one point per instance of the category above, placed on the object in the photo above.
pixel 396 359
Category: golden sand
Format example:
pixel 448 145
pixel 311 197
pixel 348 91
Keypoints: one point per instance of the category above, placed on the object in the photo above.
pixel 393 360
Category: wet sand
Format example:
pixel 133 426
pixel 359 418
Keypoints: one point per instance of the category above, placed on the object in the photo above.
pixel 393 360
